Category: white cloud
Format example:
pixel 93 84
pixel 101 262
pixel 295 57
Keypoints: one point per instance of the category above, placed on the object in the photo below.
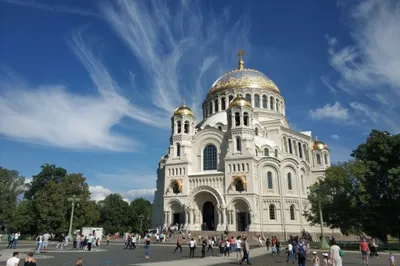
pixel 334 111
pixel 178 49
pixel 100 193
pixel 336 137
pixel 326 81
pixel 370 65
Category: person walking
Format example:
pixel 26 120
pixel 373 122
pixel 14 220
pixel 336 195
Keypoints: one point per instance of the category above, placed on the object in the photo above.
pixel 335 253
pixel 39 241
pixel 203 247
pixel 178 245
pixel 246 252
pixel 302 253
pixel 147 242
pixel 89 242
pixel 290 254
pixel 364 251
pixel 210 245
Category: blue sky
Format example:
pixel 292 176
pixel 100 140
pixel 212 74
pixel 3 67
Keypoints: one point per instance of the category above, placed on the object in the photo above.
pixel 91 85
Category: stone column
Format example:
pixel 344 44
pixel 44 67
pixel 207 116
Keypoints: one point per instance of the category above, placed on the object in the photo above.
pixel 165 218
pixel 186 218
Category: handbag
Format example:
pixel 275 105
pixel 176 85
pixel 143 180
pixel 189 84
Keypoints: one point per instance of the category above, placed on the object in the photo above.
pixel 341 253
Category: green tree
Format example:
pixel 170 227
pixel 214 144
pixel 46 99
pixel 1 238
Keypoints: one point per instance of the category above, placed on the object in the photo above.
pixel 339 194
pixel 138 207
pixel 11 186
pixel 364 194
pixel 47 174
pixel 381 157
pixel 114 214
pixel 24 219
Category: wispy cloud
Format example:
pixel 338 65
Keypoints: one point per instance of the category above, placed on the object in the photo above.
pixel 370 65
pixel 53 8
pixel 310 87
pixel 99 193
pixel 335 137
pixel 179 50
pixel 334 111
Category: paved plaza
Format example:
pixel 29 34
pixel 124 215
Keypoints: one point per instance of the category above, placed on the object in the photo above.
pixel 160 254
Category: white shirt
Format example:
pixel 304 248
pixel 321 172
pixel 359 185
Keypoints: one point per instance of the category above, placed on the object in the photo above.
pixel 13 261
pixel 238 243
pixel 290 247
pixel 16 236
pixel 46 237
pixel 192 243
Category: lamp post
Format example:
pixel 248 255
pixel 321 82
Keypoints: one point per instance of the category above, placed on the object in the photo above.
pixel 324 243
pixel 141 217
pixel 73 199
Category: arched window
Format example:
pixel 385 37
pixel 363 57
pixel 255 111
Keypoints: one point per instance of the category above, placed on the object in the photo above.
pixel 237 119
pixel 210 158
pixel 179 127
pixel 246 119
pixel 269 180
pixel 239 186
pixel 302 183
pixel 175 188
pixel 248 97
pixel 256 152
pixel 178 150
pixel 216 105
pixel 186 127
pixel 257 101
pixel 292 216
pixel 223 104
pixel 300 150
pixel 306 152
pixel 277 104
pixel 230 98
pixel 219 128
pixel 326 159
pixel 256 131
pixel 289 181
pixel 264 101
pixel 271 103
pixel 238 144
pixel 290 146
pixel 272 212
pixel 318 159
pixel 211 108
pixel 276 153
pixel 266 152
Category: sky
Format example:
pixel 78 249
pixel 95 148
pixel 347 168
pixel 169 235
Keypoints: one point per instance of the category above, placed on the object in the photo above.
pixel 91 85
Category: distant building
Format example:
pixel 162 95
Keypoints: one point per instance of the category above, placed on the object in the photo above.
pixel 242 166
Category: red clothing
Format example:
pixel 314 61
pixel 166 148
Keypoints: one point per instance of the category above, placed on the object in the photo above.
pixel 364 246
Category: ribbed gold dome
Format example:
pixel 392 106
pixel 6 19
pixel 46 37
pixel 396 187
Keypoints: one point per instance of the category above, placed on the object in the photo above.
pixel 319 145
pixel 239 101
pixel 184 110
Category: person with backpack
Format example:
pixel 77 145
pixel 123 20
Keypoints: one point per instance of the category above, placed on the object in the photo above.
pixel 301 253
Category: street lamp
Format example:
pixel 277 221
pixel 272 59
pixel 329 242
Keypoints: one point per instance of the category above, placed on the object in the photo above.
pixel 141 217
pixel 72 200
pixel 324 243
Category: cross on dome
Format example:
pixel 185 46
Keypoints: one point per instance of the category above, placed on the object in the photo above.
pixel 241 62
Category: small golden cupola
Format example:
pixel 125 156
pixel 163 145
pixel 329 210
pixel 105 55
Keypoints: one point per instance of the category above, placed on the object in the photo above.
pixel 183 110
pixel 239 101
pixel 318 145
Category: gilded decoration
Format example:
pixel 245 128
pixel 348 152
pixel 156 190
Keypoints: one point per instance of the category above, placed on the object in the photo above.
pixel 239 101
pixel 235 179
pixel 184 110
pixel 178 182
pixel 318 145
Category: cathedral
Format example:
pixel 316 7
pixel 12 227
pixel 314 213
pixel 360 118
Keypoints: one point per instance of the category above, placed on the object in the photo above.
pixel 242 167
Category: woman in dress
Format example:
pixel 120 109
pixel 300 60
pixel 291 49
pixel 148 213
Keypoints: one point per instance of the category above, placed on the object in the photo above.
pixel 334 254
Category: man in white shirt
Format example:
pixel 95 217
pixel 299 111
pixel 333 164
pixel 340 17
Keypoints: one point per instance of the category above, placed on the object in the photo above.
pixel 16 237
pixel 45 242
pixel 14 261
pixel 290 254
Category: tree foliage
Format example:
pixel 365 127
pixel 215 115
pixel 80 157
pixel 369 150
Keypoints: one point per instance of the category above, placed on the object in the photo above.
pixel 363 194
pixel 46 207
pixel 11 186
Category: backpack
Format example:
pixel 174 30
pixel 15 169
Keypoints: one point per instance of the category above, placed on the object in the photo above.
pixel 302 252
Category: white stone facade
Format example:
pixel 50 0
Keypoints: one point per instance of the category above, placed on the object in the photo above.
pixel 239 168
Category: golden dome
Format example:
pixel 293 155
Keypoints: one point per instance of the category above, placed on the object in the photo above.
pixel 242 78
pixel 183 110
pixel 239 101
pixel 318 145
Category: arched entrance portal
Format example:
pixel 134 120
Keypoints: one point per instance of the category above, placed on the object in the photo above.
pixel 208 216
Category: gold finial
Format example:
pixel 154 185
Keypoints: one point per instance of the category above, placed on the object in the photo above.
pixel 241 62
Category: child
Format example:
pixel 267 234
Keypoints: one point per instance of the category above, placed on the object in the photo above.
pixel 274 250
pixel 315 259
pixel 326 261
pixel 392 260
